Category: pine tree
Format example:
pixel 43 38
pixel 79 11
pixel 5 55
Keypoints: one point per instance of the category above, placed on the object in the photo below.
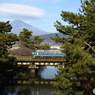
pixel 25 37
pixel 36 41
pixel 78 75
pixel 7 63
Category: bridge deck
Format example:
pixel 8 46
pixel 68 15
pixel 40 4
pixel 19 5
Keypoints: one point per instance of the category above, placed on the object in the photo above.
pixel 40 59
pixel 27 59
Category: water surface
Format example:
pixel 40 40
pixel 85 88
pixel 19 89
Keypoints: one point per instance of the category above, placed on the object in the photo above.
pixel 41 84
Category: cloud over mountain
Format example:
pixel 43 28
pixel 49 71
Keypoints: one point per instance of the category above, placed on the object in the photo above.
pixel 21 11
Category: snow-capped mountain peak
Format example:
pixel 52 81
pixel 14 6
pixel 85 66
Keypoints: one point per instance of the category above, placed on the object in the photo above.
pixel 18 25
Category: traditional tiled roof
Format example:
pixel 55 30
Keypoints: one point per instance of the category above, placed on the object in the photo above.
pixel 20 50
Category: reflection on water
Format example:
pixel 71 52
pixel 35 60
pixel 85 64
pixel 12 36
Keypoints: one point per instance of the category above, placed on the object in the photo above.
pixel 39 85
pixel 48 72
pixel 30 90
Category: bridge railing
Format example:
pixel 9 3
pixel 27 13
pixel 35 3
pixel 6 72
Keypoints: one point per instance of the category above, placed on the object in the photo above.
pixel 30 58
pixel 23 57
pixel 39 57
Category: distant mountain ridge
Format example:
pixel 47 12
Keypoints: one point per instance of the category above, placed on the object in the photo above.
pixel 18 25
pixel 48 40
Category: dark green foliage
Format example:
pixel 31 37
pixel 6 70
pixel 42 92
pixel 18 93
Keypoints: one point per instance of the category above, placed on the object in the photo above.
pixel 35 43
pixel 57 39
pixel 44 46
pixel 7 64
pixel 25 37
pixel 37 40
pixel 5 27
pixel 78 75
pixel 8 69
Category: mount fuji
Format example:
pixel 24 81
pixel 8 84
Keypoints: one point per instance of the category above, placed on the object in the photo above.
pixel 18 25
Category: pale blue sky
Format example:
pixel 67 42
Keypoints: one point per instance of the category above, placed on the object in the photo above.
pixel 38 13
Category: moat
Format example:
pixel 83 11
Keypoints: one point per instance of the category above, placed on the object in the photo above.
pixel 40 84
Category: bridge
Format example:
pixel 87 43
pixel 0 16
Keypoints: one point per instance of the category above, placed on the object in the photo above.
pixel 42 57
pixel 35 62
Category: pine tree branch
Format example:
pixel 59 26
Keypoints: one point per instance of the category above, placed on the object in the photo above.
pixel 88 45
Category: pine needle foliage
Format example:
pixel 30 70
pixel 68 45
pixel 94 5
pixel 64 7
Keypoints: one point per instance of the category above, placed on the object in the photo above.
pixel 7 64
pixel 78 75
